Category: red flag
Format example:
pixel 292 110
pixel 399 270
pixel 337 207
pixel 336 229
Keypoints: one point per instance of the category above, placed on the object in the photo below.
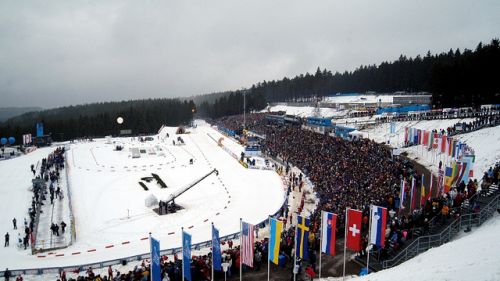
pixel 353 231
pixel 426 137
pixel 444 140
pixel 435 145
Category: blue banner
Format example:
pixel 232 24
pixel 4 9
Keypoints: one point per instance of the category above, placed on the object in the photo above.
pixel 155 260
pixel 186 255
pixel 39 129
pixel 216 254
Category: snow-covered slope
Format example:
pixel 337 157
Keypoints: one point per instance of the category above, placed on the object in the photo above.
pixel 475 256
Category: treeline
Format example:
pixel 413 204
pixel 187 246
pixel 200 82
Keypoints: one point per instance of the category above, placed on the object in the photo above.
pixel 455 78
pixel 99 119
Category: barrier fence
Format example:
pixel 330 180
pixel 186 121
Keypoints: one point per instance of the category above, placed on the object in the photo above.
pixel 103 264
pixel 423 243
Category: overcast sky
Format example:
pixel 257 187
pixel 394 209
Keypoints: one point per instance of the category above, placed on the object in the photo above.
pixel 56 53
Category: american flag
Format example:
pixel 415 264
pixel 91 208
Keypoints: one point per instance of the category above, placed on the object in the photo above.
pixel 247 244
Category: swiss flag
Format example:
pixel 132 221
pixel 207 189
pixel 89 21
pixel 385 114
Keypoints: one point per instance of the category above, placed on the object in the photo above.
pixel 353 239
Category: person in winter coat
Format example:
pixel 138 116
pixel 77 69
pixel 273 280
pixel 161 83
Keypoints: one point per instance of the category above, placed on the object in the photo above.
pixel 6 274
pixel 6 240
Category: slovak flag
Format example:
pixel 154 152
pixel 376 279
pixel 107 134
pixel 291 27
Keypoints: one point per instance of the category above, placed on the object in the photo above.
pixel 378 225
pixel 353 231
pixel 328 229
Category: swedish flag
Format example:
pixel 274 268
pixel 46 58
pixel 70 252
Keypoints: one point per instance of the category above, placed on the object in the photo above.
pixel 275 240
pixel 301 237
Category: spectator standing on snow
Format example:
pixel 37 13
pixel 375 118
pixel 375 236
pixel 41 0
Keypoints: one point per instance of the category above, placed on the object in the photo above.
pixel 6 239
pixel 14 222
pixel 6 274
pixel 63 226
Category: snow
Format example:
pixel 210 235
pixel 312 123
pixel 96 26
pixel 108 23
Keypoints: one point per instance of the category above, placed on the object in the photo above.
pixel 360 99
pixel 109 204
pixel 474 256
pixel 485 142
pixel 305 111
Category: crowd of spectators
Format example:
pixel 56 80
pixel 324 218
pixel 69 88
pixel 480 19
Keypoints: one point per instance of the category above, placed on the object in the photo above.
pixel 356 174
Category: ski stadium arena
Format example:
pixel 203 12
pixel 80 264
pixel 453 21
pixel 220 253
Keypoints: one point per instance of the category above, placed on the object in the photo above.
pixel 117 191
pixel 109 212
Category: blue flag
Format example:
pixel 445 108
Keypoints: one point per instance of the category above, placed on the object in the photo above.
pixel 216 255
pixel 155 260
pixel 186 255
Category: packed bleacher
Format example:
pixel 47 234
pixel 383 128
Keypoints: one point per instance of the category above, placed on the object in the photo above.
pixel 356 174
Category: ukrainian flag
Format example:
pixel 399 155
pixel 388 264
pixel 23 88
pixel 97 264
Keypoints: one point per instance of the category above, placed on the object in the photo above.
pixel 275 240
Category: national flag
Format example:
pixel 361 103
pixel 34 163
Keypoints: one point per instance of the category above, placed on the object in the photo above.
pixel 378 225
pixel 301 238
pixel 393 128
pixel 436 141
pixel 275 240
pixel 247 243
pixel 444 141
pixel 402 194
pixel 415 136
pixel 448 179
pixel 328 229
pixel 353 239
pixel 216 253
pixel 155 260
pixel 413 194
pixel 461 169
pixel 406 135
pixel 426 137
pixel 440 183
pixel 469 172
pixel 186 255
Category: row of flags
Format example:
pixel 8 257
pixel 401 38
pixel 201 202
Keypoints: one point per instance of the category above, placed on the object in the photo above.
pixel 458 171
pixel 441 143
pixel 378 223
pixel 186 255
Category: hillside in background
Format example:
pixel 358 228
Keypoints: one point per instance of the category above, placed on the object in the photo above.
pixel 9 112
pixel 99 119
pixel 456 78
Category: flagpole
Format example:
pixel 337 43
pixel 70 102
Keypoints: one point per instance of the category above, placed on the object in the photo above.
pixel 241 250
pixel 269 250
pixel 368 244
pixel 295 255
pixel 345 241
pixel 182 233
pixel 320 242
pixel 213 251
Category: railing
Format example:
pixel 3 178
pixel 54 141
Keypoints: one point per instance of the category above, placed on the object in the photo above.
pixel 423 243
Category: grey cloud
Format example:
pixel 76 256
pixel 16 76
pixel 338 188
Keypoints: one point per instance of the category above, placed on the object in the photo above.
pixel 69 52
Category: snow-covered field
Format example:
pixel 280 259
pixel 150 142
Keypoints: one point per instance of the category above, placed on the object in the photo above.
pixel 109 204
pixel 360 99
